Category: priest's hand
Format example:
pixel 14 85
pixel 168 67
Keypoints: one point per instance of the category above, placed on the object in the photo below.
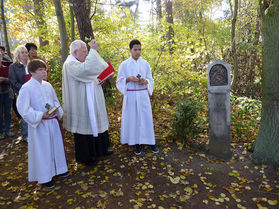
pixel 132 79
pixel 94 44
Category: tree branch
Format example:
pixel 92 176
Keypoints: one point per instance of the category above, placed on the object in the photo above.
pixel 95 9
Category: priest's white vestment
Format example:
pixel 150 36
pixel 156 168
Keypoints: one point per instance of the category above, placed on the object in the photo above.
pixel 46 154
pixel 137 122
pixel 75 77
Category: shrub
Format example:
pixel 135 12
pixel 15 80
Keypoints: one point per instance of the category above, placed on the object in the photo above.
pixel 186 124
pixel 245 118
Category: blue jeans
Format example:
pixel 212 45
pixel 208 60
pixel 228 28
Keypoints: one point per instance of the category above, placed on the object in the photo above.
pixel 24 129
pixel 5 109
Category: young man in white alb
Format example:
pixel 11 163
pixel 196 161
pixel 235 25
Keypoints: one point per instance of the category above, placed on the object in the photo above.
pixel 135 82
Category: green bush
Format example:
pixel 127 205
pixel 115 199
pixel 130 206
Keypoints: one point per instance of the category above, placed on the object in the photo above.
pixel 245 118
pixel 186 124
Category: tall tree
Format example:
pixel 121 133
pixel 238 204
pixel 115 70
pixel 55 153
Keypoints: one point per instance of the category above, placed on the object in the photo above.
pixel 4 29
pixel 62 29
pixel 72 20
pixel 266 148
pixel 158 14
pixel 82 14
pixel 233 44
pixel 159 9
pixel 136 11
pixel 39 11
pixel 169 19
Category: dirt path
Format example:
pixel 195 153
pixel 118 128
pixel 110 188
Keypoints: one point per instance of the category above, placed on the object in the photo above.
pixel 173 178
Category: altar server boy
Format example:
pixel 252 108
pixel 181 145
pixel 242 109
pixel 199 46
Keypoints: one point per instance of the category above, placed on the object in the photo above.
pixel 135 82
pixel 46 154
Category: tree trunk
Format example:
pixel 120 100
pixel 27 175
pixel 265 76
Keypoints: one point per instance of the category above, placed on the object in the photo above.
pixel 266 149
pixel 136 11
pixel 82 14
pixel 4 27
pixel 158 9
pixel 62 30
pixel 158 14
pixel 254 58
pixel 169 19
pixel 72 21
pixel 41 23
pixel 233 46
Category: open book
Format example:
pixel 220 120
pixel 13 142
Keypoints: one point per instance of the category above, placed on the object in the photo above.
pixel 108 72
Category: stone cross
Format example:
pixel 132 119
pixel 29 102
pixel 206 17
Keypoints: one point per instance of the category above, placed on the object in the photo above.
pixel 219 109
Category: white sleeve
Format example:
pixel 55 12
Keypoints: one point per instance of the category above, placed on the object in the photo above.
pixel 32 117
pixel 121 79
pixel 150 80
pixel 57 103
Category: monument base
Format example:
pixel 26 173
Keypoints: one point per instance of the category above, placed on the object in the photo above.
pixel 220 149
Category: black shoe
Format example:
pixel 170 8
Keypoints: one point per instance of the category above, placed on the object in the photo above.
pixel 137 149
pixel 64 175
pixel 109 152
pixel 154 149
pixel 49 184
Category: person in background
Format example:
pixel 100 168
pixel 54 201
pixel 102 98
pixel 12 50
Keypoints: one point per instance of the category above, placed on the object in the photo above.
pixel 6 96
pixel 135 82
pixel 84 102
pixel 5 58
pixel 32 52
pixel 17 73
pixel 46 154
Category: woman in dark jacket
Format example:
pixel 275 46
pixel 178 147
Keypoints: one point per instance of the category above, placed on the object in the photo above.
pixel 17 75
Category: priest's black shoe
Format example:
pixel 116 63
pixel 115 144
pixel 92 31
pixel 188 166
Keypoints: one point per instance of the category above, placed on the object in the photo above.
pixel 109 152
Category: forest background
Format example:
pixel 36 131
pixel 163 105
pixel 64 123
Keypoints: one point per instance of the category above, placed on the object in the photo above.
pixel 180 38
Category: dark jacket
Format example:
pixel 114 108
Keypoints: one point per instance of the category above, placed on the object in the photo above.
pixel 16 76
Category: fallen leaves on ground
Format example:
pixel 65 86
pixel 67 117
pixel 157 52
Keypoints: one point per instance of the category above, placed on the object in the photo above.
pixel 176 177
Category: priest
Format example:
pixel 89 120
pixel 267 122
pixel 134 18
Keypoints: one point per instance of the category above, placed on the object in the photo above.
pixel 84 103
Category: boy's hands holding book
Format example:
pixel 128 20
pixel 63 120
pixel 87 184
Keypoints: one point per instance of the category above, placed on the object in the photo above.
pixel 50 114
pixel 136 79
pixel 132 79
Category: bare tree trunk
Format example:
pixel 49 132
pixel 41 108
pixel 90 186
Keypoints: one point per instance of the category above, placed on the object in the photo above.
pixel 62 30
pixel 254 57
pixel 41 23
pixel 72 21
pixel 158 14
pixel 169 19
pixel 136 11
pixel 158 9
pixel 266 148
pixel 4 27
pixel 82 14
pixel 233 46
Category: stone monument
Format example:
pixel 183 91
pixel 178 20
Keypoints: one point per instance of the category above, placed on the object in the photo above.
pixel 219 109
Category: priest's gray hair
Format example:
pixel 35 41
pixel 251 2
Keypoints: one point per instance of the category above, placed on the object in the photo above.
pixel 76 45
